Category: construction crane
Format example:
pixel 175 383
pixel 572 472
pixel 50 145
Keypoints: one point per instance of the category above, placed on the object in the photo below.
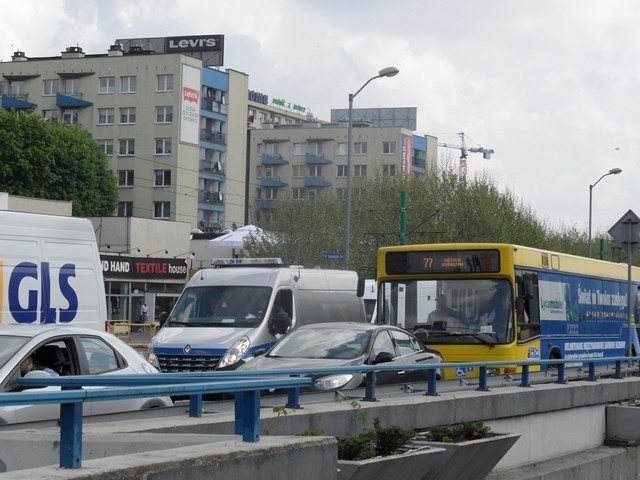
pixel 486 152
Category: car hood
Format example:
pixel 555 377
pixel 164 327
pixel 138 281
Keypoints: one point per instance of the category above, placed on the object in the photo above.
pixel 198 337
pixel 275 363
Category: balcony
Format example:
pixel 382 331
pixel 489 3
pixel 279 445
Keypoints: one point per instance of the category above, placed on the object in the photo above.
pixel 17 101
pixel 315 159
pixel 272 182
pixel 316 182
pixel 213 137
pixel 210 105
pixel 210 197
pixel 71 100
pixel 266 204
pixel 273 159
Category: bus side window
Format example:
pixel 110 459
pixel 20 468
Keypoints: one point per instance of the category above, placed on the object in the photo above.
pixel 527 304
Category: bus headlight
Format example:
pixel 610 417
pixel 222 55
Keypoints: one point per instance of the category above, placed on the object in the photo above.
pixel 235 353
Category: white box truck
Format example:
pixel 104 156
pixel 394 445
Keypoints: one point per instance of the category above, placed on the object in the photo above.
pixel 226 316
pixel 50 271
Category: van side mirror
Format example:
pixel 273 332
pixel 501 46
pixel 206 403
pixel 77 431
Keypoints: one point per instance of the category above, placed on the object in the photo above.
pixel 280 323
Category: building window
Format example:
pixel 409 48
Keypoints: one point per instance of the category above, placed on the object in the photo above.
pixel 128 115
pixel 161 209
pixel 388 170
pixel 251 115
pixel 125 178
pixel 71 86
pixel 165 83
pixel 50 115
pixel 315 148
pixel 312 194
pixel 127 146
pixel 106 146
pixel 258 193
pixel 164 114
pixel 107 85
pixel 270 193
pixel 315 170
pixel 360 148
pixel 49 87
pixel 297 193
pixel 389 148
pixel 163 178
pixel 271 148
pixel 298 170
pixel 70 117
pixel 105 116
pixel 16 88
pixel 128 84
pixel 359 170
pixel 163 146
pixel 299 148
pixel 269 171
pixel 125 209
pixel 341 192
pixel 342 148
pixel 342 170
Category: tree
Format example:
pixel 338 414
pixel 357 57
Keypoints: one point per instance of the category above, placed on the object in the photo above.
pixel 57 162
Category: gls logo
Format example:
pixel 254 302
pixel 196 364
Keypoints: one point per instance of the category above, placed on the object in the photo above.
pixel 29 282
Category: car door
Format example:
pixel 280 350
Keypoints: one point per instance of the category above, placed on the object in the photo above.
pixel 409 351
pixel 383 352
pixel 63 364
pixel 99 358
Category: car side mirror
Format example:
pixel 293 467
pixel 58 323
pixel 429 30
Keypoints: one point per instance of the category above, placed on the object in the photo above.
pixel 383 357
pixel 280 323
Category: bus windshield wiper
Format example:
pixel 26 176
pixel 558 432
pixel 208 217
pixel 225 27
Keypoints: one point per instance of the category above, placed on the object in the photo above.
pixel 485 338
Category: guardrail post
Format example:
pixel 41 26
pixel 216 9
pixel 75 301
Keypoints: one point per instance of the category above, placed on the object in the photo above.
pixel 70 433
pixel 370 387
pixel 525 376
pixel 592 372
pixel 561 378
pixel 432 377
pixel 482 379
pixel 247 415
pixel 196 405
pixel 618 369
pixel 293 399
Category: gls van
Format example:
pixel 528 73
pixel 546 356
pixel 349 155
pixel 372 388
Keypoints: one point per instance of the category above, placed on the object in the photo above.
pixel 226 316
pixel 50 271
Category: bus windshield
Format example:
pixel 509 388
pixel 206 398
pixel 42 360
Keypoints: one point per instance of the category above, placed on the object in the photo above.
pixel 221 306
pixel 450 311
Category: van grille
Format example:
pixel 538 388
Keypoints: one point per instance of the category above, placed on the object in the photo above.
pixel 187 363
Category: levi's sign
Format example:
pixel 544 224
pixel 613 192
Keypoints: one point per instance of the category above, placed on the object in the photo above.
pixel 195 43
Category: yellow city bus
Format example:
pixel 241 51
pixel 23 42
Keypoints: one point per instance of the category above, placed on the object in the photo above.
pixel 497 302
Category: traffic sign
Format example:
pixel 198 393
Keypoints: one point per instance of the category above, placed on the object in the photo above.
pixel 626 230
pixel 334 256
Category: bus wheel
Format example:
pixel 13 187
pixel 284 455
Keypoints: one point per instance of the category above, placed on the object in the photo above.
pixel 554 354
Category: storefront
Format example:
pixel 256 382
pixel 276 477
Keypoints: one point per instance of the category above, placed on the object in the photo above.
pixel 131 282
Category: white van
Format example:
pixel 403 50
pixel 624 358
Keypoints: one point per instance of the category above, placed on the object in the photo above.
pixel 50 271
pixel 226 316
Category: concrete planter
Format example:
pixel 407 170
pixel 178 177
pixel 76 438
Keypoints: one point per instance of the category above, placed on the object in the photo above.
pixel 622 423
pixel 470 460
pixel 406 466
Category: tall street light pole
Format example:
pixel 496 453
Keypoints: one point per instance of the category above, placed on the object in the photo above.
pixel 613 171
pixel 385 72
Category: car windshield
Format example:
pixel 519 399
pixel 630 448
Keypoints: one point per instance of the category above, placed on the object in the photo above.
pixel 9 345
pixel 221 306
pixel 322 343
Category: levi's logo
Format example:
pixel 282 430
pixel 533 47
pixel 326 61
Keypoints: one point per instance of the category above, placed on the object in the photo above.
pixel 190 94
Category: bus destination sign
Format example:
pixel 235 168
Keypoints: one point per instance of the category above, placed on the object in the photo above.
pixel 464 261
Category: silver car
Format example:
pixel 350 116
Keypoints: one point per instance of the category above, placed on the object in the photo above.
pixel 68 351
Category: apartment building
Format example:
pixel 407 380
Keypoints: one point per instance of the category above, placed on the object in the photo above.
pixel 305 161
pixel 172 124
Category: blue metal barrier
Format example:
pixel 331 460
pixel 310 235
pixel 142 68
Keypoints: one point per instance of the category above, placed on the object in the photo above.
pixel 246 386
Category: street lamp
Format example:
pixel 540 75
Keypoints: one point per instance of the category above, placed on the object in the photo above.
pixel 385 72
pixel 613 171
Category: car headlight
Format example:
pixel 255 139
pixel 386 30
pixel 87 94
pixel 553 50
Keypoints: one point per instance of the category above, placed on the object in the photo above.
pixel 152 358
pixel 235 353
pixel 332 382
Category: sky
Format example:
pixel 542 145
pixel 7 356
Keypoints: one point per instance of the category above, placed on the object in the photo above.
pixel 551 87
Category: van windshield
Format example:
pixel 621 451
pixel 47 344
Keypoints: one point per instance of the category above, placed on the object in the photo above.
pixel 221 306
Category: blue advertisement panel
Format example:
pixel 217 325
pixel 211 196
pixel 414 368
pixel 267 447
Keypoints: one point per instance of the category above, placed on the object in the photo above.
pixel 582 317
